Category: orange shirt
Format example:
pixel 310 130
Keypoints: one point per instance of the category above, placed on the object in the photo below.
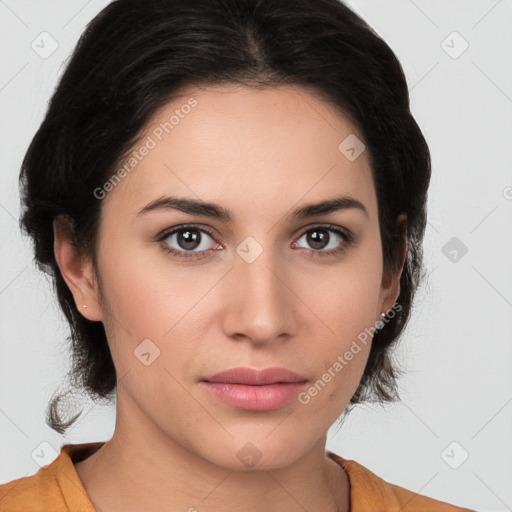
pixel 57 488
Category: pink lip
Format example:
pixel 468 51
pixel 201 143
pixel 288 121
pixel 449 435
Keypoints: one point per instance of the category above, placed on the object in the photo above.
pixel 254 377
pixel 257 390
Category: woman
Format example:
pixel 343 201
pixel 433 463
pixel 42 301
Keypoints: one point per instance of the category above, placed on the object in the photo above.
pixel 231 198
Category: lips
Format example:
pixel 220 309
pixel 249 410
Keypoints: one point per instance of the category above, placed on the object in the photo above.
pixel 253 377
pixel 255 390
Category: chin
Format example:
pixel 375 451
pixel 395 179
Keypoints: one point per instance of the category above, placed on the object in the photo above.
pixel 255 455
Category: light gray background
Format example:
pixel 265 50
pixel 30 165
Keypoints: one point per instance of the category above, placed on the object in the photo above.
pixel 457 347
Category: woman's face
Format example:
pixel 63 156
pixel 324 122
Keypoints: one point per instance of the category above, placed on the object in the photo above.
pixel 265 288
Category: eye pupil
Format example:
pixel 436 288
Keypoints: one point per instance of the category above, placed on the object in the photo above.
pixel 189 238
pixel 318 238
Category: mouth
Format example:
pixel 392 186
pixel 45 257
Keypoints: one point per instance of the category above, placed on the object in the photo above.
pixel 255 377
pixel 256 390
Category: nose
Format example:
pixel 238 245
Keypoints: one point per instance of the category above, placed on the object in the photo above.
pixel 260 304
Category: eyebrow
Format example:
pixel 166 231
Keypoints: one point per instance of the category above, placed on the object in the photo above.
pixel 202 208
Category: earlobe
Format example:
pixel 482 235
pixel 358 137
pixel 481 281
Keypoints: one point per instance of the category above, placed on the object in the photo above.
pixel 77 272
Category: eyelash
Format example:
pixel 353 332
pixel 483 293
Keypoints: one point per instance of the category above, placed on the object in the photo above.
pixel 347 235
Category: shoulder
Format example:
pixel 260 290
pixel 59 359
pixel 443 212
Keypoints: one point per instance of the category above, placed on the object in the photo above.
pixel 371 493
pixel 55 487
pixel 33 493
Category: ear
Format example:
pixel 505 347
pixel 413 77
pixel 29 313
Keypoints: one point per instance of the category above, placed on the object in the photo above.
pixel 390 288
pixel 77 271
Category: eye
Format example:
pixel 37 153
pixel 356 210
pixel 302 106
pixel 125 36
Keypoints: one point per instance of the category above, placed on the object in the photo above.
pixel 193 242
pixel 323 243
pixel 188 242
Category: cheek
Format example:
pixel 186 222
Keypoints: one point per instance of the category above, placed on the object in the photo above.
pixel 146 297
pixel 342 365
pixel 345 309
pixel 150 298
pixel 146 314
pixel 346 300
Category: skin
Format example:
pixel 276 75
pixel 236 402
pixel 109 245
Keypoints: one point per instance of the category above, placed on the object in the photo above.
pixel 261 154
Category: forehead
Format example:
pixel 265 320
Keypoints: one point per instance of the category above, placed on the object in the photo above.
pixel 246 146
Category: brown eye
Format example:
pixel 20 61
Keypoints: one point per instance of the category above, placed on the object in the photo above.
pixel 188 241
pixel 318 238
pixel 326 240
